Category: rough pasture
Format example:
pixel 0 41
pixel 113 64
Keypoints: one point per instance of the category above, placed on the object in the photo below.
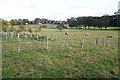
pixel 37 62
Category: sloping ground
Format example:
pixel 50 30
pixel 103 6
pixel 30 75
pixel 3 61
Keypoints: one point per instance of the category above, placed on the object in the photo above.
pixel 93 62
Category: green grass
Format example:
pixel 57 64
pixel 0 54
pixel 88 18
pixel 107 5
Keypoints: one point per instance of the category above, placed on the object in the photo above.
pixel 53 26
pixel 58 61
pixel 109 27
pixel 96 62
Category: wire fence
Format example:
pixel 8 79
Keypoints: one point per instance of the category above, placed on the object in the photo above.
pixel 84 42
pixel 31 41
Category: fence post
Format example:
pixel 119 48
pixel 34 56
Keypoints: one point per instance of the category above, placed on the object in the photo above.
pixel 66 41
pixel 46 42
pixel 12 34
pixel 107 41
pixel 118 41
pixel 96 41
pixel 82 42
pixel 103 41
pixel 6 35
pixel 18 43
pixel 66 44
pixel 37 36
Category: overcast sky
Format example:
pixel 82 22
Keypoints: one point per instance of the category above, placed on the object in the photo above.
pixel 55 9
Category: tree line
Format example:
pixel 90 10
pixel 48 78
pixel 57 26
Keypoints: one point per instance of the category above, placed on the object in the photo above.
pixel 35 21
pixel 90 21
pixel 79 22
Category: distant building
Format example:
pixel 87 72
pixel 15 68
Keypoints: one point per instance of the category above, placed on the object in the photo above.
pixel 26 23
pixel 39 23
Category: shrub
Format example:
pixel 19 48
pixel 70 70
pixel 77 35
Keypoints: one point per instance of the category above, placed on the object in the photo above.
pixel 22 28
pixel 30 30
pixel 60 28
pixel 12 29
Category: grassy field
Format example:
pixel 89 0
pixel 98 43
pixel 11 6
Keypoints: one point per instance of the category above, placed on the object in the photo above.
pixel 52 26
pixel 57 62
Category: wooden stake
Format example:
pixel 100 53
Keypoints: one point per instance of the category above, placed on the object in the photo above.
pixel 82 42
pixel 66 40
pixel 103 42
pixel 66 45
pixel 37 36
pixel 18 43
pixel 47 43
pixel 96 41
pixel 6 35
pixel 107 41
pixel 118 42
